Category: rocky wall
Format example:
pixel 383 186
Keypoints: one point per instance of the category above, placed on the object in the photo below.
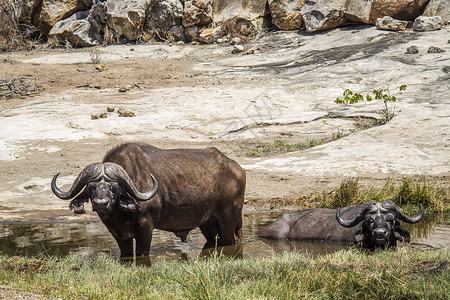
pixel 91 22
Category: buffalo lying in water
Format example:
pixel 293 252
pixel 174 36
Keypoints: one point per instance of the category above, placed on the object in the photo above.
pixel 183 189
pixel 369 225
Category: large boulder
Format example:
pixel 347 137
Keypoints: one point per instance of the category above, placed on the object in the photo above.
pixel 28 10
pixel 224 10
pixel 8 22
pixel 125 19
pixel 162 16
pixel 286 13
pixel 398 9
pixel 53 11
pixel 320 15
pixel 197 12
pixel 76 29
pixel 358 10
pixel 423 23
pixel 439 8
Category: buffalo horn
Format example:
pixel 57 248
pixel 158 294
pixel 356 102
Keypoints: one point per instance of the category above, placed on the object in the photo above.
pixel 401 216
pixel 116 172
pixel 356 220
pixel 88 173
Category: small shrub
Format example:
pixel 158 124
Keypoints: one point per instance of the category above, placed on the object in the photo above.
pixel 351 97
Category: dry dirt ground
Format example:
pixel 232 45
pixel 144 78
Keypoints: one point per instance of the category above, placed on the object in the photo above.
pixel 202 95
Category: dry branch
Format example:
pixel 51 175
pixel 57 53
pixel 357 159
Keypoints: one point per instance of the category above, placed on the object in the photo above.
pixel 18 86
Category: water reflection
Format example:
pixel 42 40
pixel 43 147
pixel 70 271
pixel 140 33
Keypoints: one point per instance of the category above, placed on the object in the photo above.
pixel 92 238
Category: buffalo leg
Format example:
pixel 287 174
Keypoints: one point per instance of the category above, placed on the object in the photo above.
pixel 144 239
pixel 126 248
pixel 211 231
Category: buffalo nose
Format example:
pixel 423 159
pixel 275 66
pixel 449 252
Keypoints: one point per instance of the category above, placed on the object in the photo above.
pixel 100 202
pixel 380 232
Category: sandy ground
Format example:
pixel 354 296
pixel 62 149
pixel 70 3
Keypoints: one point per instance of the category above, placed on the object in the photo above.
pixel 202 95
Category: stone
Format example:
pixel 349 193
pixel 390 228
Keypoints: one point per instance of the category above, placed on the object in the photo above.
pixel 398 9
pixel 319 17
pixel 176 33
pixel 28 10
pixel 434 49
pixel 389 23
pixel 286 13
pixel 236 40
pixel 209 35
pixel 8 22
pixel 438 8
pixel 191 33
pixel 197 12
pixel 358 10
pixel 162 15
pixel 253 10
pixel 423 23
pixel 237 49
pixel 125 19
pixel 412 50
pixel 76 29
pixel 53 11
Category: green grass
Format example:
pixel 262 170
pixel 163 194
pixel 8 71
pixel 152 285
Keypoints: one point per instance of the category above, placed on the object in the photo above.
pixel 406 193
pixel 281 146
pixel 349 274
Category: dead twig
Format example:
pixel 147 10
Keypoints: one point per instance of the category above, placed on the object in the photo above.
pixel 18 86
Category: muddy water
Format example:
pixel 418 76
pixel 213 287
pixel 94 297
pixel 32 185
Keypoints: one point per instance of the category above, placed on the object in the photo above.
pixel 92 238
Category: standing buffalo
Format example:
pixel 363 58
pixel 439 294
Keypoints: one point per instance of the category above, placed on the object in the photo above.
pixel 137 188
pixel 369 225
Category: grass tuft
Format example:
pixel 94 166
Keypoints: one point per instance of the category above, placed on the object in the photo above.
pixel 407 193
pixel 402 273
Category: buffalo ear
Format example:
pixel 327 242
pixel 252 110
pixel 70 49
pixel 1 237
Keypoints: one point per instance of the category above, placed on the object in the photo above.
pixel 127 203
pixel 401 234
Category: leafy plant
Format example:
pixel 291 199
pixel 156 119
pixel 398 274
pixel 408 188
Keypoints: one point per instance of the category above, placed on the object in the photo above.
pixel 351 97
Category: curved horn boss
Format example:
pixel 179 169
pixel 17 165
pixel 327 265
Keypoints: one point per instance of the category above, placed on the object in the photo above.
pixel 400 215
pixel 89 173
pixel 116 173
pixel 356 220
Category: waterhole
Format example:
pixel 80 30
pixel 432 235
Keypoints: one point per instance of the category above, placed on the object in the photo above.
pixel 92 238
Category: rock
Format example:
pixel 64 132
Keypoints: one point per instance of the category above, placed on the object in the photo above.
pixel 253 50
pixel 8 22
pixel 75 29
pixel 318 17
pixel 235 41
pixel 28 10
pixel 125 19
pixel 434 49
pixel 209 35
pixel 125 113
pixel 237 49
pixel 176 33
pixel 423 23
pixel 389 23
pixel 197 12
pixel 286 13
pixel 163 15
pixel 97 19
pixel 191 33
pixel 53 11
pixel 110 109
pixel 438 8
pixel 358 10
pixel 99 116
pixel 253 10
pixel 398 9
pixel 412 50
